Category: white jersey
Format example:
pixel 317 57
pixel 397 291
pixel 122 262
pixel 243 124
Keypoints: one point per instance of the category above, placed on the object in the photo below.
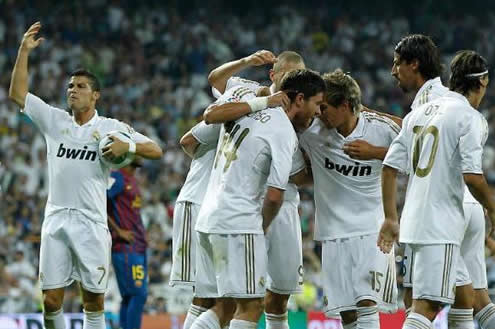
pixel 431 90
pixel 347 191
pixel 291 194
pixel 77 179
pixel 439 142
pixel 254 151
pixel 194 187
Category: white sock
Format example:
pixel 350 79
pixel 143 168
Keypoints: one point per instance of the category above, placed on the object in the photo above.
pixel 367 318
pixel 94 320
pixel 277 321
pixel 54 320
pixel 461 318
pixel 242 324
pixel 416 321
pixel 352 325
pixel 193 313
pixel 486 317
pixel 207 320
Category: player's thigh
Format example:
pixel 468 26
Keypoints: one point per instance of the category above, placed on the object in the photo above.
pixel 473 245
pixel 206 283
pixel 131 271
pixel 56 264
pixel 184 244
pixel 240 264
pixel 284 247
pixel 434 272
pixel 91 244
pixel 337 269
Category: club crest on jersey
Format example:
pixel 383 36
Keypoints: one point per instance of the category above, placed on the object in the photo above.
pixel 96 135
pixel 348 170
pixel 76 154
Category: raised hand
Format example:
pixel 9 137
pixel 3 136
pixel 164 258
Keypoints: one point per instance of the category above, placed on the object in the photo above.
pixel 261 57
pixel 279 99
pixel 29 41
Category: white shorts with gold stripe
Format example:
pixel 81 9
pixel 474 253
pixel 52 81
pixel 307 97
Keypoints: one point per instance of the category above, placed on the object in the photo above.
pixel 184 244
pixel 231 265
pixel 354 269
pixel 434 268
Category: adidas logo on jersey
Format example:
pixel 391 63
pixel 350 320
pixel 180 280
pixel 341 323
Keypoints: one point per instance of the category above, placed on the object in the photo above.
pixel 79 154
pixel 346 170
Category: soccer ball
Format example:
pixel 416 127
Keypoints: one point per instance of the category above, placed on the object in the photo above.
pixel 122 160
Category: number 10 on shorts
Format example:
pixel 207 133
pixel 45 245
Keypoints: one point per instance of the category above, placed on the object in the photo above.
pixel 137 272
pixel 376 282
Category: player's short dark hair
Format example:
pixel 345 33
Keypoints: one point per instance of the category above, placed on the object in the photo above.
pixel 421 48
pixel 93 80
pixel 303 81
pixel 340 88
pixel 465 71
pixel 285 57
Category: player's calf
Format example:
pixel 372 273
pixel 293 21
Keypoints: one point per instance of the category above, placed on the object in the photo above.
pixel 276 310
pixel 367 314
pixel 248 311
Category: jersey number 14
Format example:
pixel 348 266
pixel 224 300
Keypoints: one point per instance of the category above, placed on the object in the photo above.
pixel 227 149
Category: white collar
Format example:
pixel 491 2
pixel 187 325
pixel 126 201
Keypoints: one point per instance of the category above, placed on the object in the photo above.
pixel 426 85
pixel 91 121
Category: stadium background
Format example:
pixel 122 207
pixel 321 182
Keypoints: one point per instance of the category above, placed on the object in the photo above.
pixel 153 60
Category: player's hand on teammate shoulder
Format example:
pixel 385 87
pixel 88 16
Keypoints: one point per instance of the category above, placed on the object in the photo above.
pixel 389 234
pixel 29 41
pixel 279 99
pixel 261 57
pixel 359 149
pixel 115 149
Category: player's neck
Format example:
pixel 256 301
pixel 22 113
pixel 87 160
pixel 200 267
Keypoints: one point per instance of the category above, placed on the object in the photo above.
pixel 348 126
pixel 82 117
pixel 419 83
pixel 473 99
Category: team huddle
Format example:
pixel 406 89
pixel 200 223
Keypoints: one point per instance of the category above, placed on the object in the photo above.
pixel 236 228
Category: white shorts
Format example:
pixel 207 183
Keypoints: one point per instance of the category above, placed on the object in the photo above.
pixel 284 249
pixel 231 265
pixel 473 245
pixel 408 259
pixel 434 271
pixel 184 244
pixel 74 247
pixel 354 269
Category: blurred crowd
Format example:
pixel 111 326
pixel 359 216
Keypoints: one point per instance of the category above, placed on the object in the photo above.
pixel 153 61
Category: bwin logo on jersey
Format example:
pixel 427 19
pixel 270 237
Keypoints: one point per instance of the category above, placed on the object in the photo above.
pixel 346 170
pixel 79 154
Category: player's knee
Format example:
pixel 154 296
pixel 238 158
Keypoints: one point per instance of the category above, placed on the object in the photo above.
pixel 348 316
pixel 275 303
pixel 250 308
pixel 427 308
pixel 95 304
pixel 464 297
pixel 52 302
pixel 204 302
pixel 366 303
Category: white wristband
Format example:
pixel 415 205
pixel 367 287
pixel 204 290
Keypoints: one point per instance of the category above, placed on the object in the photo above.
pixel 258 103
pixel 132 147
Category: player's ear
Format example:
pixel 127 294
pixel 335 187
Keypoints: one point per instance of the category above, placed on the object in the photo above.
pixel 271 74
pixel 96 95
pixel 415 64
pixel 299 100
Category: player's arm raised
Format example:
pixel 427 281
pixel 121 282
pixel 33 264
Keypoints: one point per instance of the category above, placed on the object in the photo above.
pixel 218 77
pixel 230 111
pixel 19 80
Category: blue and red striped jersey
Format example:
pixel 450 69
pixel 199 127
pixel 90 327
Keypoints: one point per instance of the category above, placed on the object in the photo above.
pixel 124 205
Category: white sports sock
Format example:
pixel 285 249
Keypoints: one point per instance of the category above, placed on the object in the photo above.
pixel 461 318
pixel 207 320
pixel 54 320
pixel 416 321
pixel 242 324
pixel 486 317
pixel 367 318
pixel 277 321
pixel 352 325
pixel 192 314
pixel 94 320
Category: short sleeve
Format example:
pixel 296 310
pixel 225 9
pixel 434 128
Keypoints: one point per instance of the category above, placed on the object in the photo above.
pixel 397 154
pixel 136 137
pixel 43 115
pixel 298 162
pixel 282 148
pixel 206 134
pixel 115 184
pixel 238 82
pixel 471 144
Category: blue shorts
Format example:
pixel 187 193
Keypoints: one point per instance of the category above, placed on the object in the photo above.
pixel 131 270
